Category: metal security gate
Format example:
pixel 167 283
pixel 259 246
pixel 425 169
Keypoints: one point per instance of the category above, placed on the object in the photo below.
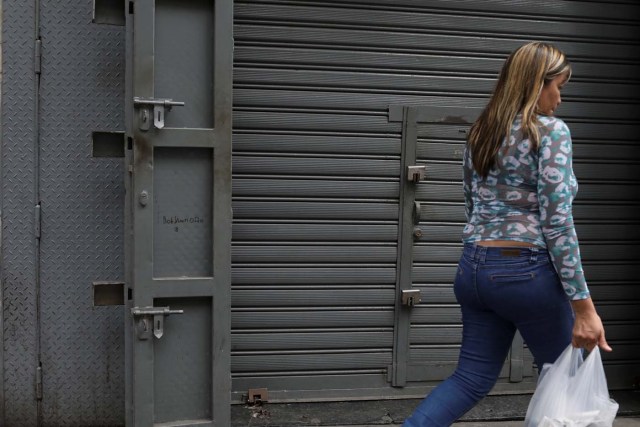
pixel 428 329
pixel 318 178
pixel 179 218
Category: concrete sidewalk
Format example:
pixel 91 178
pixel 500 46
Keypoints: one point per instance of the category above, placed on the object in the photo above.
pixel 619 422
pixel 498 411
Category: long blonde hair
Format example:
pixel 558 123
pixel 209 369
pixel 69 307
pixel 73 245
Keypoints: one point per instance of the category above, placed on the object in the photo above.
pixel 521 80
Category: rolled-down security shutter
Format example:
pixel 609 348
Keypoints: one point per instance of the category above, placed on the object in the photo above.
pixel 317 171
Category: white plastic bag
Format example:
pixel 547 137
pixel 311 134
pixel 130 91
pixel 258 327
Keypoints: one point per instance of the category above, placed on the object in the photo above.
pixel 572 393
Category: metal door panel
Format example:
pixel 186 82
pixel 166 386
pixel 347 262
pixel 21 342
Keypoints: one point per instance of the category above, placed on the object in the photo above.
pixel 182 362
pixel 382 253
pixel 336 144
pixel 265 341
pixel 183 36
pixel 182 202
pixel 356 190
pixel 317 166
pixel 314 361
pixel 179 216
pixel 18 262
pixel 314 231
pixel 381 210
pixel 354 16
pixel 347 275
pixel 419 353
pixel 251 318
pixel 305 297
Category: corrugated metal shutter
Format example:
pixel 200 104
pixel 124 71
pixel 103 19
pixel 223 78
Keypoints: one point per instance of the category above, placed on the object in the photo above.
pixel 317 173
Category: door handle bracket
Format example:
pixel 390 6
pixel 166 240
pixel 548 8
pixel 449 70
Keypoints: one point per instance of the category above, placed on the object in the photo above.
pixel 416 173
pixel 410 297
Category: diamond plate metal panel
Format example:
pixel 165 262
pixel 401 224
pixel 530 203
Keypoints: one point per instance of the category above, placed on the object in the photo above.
pixel 183 214
pixel 182 362
pixel 82 90
pixel 18 243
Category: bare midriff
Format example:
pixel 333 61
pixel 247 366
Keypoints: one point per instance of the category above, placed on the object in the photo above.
pixel 506 243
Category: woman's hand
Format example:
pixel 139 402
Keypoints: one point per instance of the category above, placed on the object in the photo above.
pixel 587 328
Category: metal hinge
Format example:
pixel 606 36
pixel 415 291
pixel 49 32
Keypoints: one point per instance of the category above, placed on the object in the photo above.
pixel 38 222
pixel 39 383
pixel 38 56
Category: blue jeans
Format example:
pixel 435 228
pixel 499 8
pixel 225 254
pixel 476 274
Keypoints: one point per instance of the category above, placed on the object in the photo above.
pixel 499 290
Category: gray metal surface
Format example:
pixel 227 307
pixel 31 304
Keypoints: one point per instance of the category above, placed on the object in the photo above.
pixel 406 221
pixel 182 203
pixel 183 361
pixel 317 170
pixel 182 35
pixel 17 266
pixel 179 245
pixel 82 88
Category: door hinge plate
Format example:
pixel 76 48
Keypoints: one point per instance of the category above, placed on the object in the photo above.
pixel 38 221
pixel 37 63
pixel 39 383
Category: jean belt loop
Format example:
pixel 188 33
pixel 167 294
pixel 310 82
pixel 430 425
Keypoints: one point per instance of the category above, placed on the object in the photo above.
pixel 483 253
pixel 534 255
pixel 476 252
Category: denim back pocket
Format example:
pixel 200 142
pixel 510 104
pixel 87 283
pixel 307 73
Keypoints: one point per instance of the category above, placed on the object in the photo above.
pixel 510 277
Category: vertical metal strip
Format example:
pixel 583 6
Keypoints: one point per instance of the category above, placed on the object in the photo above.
pixel 402 324
pixel 221 316
pixel 37 230
pixel 2 397
pixel 128 214
pixel 143 86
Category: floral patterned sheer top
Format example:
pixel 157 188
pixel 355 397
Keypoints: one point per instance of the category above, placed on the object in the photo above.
pixel 527 196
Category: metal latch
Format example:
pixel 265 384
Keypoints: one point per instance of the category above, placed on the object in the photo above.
pixel 410 297
pixel 416 173
pixel 417 211
pixel 144 325
pixel 146 105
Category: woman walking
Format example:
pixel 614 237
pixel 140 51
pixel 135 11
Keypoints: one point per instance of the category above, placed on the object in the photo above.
pixel 520 267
